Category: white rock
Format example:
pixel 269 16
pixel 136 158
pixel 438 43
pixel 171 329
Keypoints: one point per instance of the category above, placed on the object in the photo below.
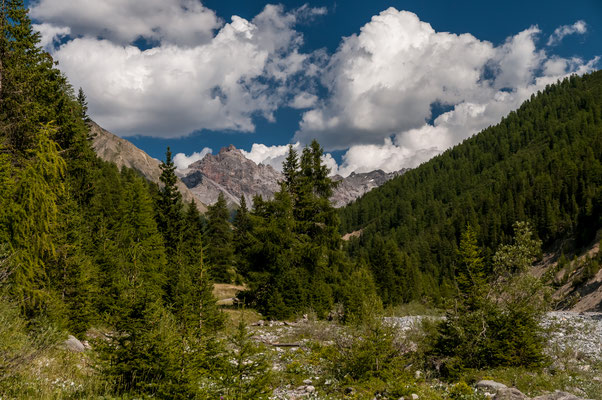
pixel 490 385
pixel 415 396
pixel 307 381
pixel 73 344
pixel 310 389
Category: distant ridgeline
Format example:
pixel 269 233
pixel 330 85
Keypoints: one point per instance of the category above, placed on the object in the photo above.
pixel 540 164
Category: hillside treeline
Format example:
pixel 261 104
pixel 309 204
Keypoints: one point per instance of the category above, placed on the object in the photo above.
pixel 541 163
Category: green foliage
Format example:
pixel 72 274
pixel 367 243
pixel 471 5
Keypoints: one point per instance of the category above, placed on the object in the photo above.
pixel 294 262
pixel 220 254
pixel 32 225
pixel 370 352
pixel 246 372
pixel 497 323
pixel 541 163
pixel 194 303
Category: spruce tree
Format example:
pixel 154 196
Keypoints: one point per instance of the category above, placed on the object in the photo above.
pixel 290 169
pixel 220 253
pixel 169 205
pixel 194 303
pixel 140 353
pixel 83 104
pixel 470 274
pixel 247 376
pixel 169 221
pixel 243 238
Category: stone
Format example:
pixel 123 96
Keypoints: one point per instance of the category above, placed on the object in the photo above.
pixel 415 396
pixel 307 382
pixel 490 385
pixel 557 395
pixel 310 389
pixel 73 344
pixel 507 393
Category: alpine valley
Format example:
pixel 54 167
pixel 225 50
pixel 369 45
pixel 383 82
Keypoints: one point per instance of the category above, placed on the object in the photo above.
pixel 475 275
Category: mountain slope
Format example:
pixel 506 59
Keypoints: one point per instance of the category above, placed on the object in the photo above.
pixel 358 184
pixel 542 163
pixel 122 153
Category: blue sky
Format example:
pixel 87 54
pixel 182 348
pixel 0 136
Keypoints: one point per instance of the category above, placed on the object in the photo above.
pixel 179 74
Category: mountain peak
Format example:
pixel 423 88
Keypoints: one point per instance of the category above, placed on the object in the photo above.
pixel 228 149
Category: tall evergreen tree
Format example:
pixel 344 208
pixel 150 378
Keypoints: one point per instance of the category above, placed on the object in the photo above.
pixel 194 303
pixel 33 222
pixel 31 87
pixel 243 238
pixel 169 221
pixel 290 169
pixel 83 105
pixel 220 253
pixel 470 275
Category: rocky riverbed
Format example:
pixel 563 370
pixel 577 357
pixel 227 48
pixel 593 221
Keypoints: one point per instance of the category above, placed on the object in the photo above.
pixel 578 333
pixel 575 344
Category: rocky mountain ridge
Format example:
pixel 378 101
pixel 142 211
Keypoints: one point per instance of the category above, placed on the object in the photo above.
pixel 231 173
pixel 228 172
pixel 122 153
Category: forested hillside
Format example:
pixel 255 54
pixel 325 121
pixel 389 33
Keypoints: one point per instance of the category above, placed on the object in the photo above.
pixel 542 164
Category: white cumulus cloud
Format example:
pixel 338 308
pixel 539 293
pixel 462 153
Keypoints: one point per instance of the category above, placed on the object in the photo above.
pixel 182 161
pixel 183 22
pixel 579 27
pixel 275 156
pixel 50 34
pixel 385 82
pixel 192 79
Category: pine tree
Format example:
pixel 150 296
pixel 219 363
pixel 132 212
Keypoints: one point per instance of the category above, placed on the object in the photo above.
pixel 169 221
pixel 290 169
pixel 470 275
pixel 83 104
pixel 243 238
pixel 220 253
pixel 194 303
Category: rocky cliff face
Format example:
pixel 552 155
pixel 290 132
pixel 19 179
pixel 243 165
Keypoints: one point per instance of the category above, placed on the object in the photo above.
pixel 231 173
pixel 356 185
pixel 122 153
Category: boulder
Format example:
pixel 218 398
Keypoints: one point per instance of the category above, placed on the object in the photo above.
pixel 509 394
pixel 490 385
pixel 73 344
